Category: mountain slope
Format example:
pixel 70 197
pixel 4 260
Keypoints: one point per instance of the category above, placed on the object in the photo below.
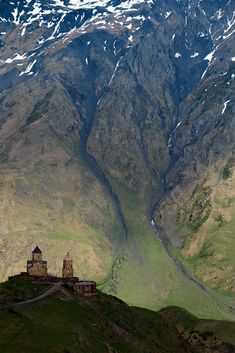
pixel 106 109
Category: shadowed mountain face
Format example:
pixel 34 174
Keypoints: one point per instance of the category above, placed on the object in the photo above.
pixel 113 114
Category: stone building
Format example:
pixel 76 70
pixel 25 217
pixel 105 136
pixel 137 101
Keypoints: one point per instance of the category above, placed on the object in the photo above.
pixel 37 273
pixel 85 288
pixel 67 270
pixel 36 266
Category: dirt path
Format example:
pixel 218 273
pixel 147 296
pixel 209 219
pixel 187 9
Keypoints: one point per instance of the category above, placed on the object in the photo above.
pixel 55 288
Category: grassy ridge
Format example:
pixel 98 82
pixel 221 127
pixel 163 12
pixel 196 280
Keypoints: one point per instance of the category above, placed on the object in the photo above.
pixel 19 289
pixel 67 323
pixel 224 331
pixel 95 325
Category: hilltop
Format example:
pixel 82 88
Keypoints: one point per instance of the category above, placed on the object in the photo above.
pixel 66 323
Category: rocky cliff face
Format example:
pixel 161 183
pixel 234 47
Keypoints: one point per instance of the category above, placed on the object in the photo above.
pixel 111 98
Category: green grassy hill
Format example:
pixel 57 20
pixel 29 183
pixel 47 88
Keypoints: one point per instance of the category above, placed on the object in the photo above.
pixel 201 228
pixel 67 323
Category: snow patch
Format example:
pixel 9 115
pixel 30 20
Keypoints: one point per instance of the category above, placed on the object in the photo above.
pixel 28 69
pixel 194 55
pixel 225 106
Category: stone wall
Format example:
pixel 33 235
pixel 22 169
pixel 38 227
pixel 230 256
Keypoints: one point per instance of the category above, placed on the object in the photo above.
pixel 37 256
pixel 37 269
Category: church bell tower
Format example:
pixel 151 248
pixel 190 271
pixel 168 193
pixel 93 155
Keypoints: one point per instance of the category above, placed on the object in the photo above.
pixel 67 271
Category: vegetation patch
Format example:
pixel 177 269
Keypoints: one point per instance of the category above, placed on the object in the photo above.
pixel 227 170
pixel 205 335
pixel 220 220
pixel 197 209
pixel 18 289
pixel 40 109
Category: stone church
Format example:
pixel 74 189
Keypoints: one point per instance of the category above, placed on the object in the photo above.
pixel 36 266
pixel 37 272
